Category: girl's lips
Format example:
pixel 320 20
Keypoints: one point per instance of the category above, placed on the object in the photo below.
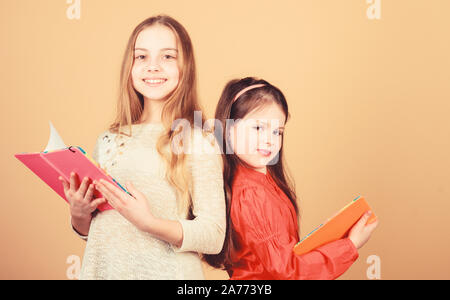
pixel 264 152
pixel 154 81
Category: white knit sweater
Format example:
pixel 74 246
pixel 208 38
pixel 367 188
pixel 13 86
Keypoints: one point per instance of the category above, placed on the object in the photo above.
pixel 116 249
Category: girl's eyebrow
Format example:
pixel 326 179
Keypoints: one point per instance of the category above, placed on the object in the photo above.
pixel 163 49
pixel 267 124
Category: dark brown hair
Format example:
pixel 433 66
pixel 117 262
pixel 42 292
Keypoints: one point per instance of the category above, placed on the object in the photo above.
pixel 227 110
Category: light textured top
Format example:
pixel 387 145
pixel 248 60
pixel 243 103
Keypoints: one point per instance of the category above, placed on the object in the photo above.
pixel 116 249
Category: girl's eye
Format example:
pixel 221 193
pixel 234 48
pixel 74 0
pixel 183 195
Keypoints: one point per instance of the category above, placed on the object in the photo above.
pixel 167 56
pixel 278 132
pixel 140 57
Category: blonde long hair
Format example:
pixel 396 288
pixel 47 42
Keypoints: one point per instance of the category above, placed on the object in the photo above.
pixel 181 104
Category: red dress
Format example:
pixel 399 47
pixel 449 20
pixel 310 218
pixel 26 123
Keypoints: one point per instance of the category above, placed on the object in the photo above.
pixel 266 224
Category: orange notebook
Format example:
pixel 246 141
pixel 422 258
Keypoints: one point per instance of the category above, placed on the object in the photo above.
pixel 336 227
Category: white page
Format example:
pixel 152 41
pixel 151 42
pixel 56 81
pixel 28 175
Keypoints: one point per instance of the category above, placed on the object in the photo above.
pixel 55 142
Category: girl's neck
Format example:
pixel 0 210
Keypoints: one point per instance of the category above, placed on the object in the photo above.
pixel 152 111
pixel 261 170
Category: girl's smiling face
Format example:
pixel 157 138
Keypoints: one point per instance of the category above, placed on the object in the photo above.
pixel 257 138
pixel 155 71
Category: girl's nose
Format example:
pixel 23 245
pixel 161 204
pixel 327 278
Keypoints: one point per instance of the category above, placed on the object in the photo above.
pixel 268 142
pixel 153 67
pixel 265 139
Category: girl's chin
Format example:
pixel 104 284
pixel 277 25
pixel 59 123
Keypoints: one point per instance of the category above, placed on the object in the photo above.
pixel 259 162
pixel 156 96
pixel 263 163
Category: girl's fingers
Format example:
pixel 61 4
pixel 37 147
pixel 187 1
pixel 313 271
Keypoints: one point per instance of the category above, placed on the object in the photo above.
pixel 65 185
pixel 95 203
pixel 365 217
pixel 113 204
pixel 73 182
pixel 112 189
pixel 371 227
pixel 110 196
pixel 362 221
pixel 130 187
pixel 89 193
pixel 84 186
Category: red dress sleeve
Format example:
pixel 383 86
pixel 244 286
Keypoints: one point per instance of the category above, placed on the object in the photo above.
pixel 264 227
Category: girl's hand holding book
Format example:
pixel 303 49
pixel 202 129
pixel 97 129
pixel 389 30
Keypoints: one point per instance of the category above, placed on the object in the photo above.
pixel 82 204
pixel 133 208
pixel 137 211
pixel 80 197
pixel 360 232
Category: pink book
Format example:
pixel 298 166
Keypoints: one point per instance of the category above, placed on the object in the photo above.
pixel 52 163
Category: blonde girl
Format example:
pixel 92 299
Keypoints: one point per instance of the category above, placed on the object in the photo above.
pixel 176 210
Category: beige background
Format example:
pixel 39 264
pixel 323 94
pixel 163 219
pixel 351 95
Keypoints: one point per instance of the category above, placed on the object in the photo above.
pixel 369 101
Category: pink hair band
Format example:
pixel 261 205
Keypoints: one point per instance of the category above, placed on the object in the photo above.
pixel 255 86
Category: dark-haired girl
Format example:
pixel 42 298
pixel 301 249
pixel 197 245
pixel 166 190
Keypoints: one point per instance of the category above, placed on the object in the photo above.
pixel 261 202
